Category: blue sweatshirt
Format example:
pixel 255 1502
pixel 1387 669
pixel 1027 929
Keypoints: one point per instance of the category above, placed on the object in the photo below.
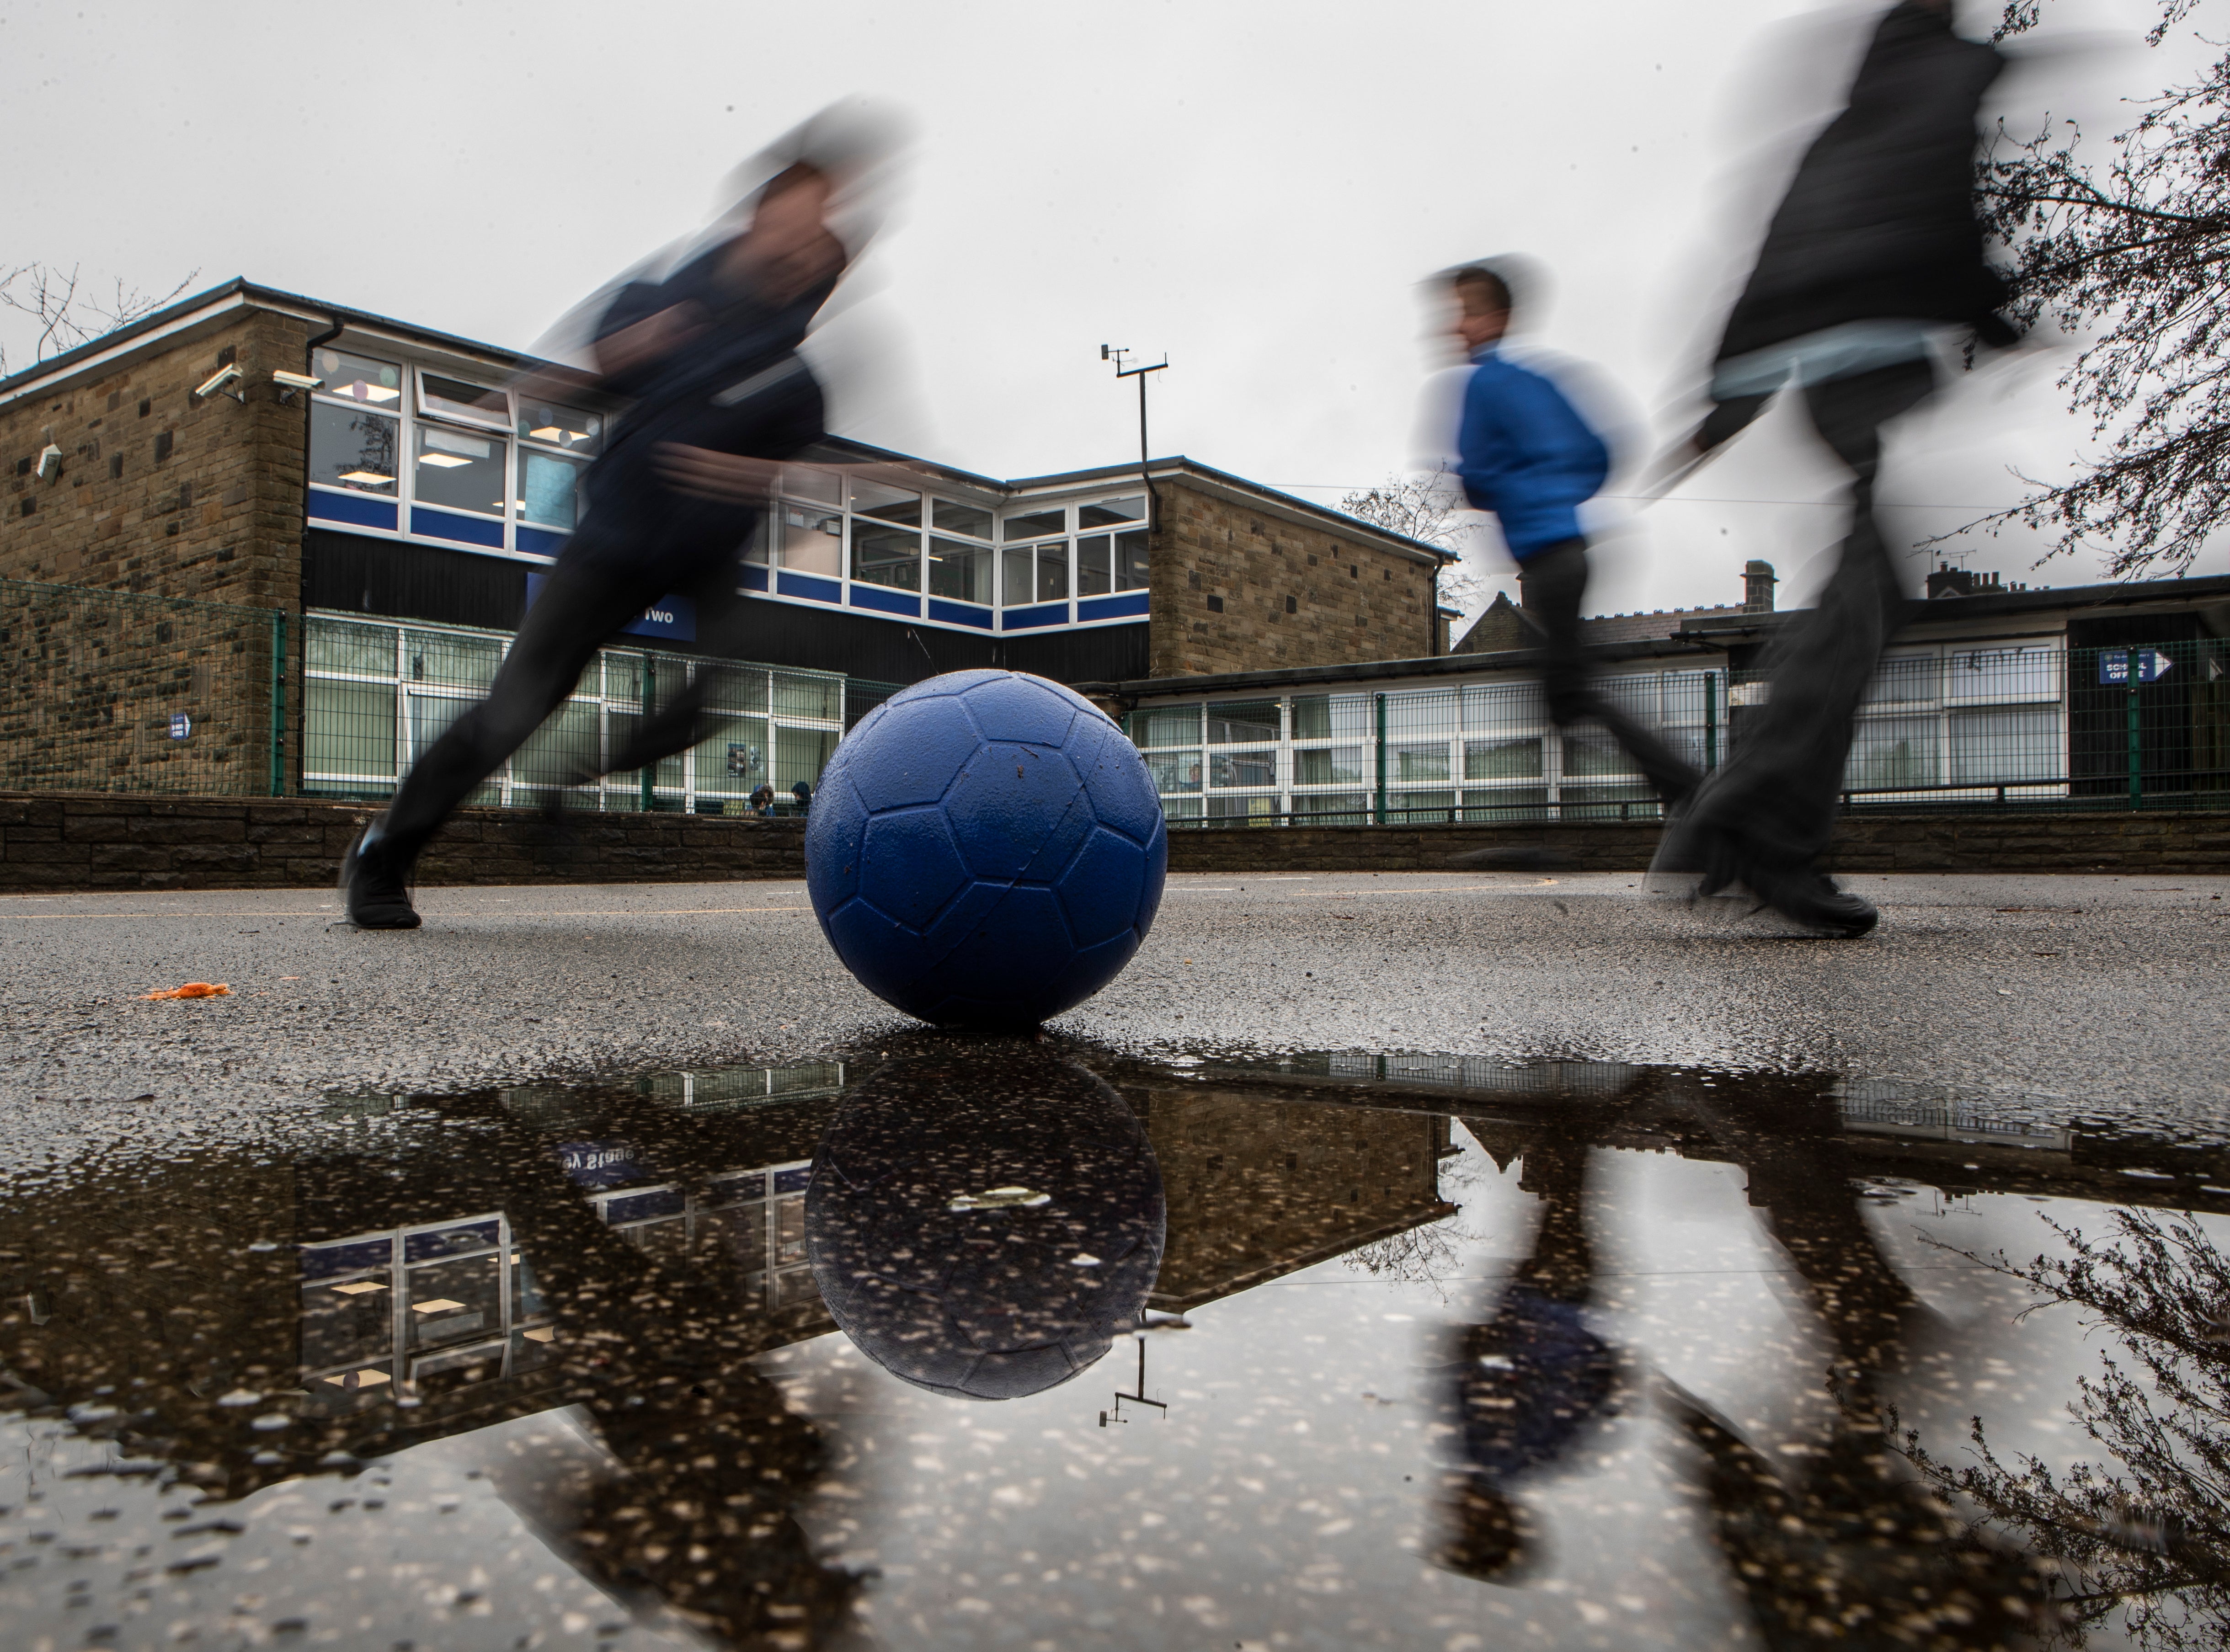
pixel 1524 452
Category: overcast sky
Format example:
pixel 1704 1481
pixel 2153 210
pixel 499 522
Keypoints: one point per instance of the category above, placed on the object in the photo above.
pixel 1252 188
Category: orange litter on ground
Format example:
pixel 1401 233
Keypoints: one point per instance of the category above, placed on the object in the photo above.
pixel 196 989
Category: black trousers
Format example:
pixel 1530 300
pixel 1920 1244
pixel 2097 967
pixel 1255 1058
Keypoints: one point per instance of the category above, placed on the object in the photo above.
pixel 1551 584
pixel 1772 805
pixel 583 606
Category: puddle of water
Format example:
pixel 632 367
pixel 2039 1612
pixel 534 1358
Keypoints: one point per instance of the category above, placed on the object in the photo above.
pixel 1007 1343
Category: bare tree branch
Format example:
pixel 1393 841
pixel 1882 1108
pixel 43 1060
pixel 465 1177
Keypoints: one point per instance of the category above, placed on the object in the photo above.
pixel 2151 305
pixel 63 319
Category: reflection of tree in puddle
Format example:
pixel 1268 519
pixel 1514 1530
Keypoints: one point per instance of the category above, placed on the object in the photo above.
pixel 2150 1532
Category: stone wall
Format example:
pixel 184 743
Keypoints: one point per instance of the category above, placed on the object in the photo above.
pixel 56 841
pixel 158 493
pixel 1236 589
pixel 2175 843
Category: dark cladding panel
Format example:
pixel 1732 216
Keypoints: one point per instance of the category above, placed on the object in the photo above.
pixel 397 580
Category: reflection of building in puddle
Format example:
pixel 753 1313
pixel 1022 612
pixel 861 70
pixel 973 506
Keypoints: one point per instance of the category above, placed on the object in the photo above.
pixel 1255 1193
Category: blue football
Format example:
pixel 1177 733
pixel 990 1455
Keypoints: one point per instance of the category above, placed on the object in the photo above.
pixel 986 849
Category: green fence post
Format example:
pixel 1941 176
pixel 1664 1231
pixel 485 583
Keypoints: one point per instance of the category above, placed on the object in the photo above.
pixel 278 704
pixel 1378 813
pixel 649 770
pixel 2137 758
pixel 1711 721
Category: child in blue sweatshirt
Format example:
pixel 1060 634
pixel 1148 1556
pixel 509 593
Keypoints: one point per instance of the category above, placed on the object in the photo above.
pixel 1524 452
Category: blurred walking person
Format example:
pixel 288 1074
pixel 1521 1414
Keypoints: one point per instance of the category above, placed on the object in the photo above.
pixel 1524 451
pixel 708 358
pixel 1874 253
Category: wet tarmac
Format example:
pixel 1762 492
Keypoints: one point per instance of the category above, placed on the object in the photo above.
pixel 935 1342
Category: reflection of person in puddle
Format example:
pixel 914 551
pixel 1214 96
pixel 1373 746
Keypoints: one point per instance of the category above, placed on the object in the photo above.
pixel 1535 1378
pixel 708 1460
pixel 1844 1547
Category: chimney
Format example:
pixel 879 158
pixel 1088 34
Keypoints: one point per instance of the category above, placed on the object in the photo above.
pixel 1947 581
pixel 1758 581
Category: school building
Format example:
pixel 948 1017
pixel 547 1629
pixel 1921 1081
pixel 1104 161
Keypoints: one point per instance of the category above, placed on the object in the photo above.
pixel 389 498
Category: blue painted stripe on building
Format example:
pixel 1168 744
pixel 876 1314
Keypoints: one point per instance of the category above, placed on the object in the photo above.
pixel 1052 613
pixel 540 542
pixel 755 579
pixel 470 530
pixel 874 596
pixel 1128 605
pixel 804 585
pixel 355 509
pixel 959 614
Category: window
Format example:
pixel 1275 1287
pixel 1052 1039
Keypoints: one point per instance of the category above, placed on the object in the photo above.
pixel 1095 565
pixel 359 378
pixel 1036 574
pixel 1106 513
pixel 885 536
pixel 1036 525
pixel 451 398
pixel 811 539
pixel 1331 717
pixel 949 518
pixel 460 470
pixel 549 490
pixel 1242 721
pixel 960 571
pixel 1130 562
pixel 353 447
pixel 570 429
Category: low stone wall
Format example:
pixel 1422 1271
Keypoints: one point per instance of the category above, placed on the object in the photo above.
pixel 2170 842
pixel 52 841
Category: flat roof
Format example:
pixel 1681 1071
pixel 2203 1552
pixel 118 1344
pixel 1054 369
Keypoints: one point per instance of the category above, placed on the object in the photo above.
pixel 1990 605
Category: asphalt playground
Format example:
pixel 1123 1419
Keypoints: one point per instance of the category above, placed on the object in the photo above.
pixel 2096 995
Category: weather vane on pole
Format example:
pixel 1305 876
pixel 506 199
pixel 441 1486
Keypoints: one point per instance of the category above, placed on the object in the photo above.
pixel 1106 354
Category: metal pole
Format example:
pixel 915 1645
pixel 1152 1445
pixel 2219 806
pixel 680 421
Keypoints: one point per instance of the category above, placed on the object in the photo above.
pixel 2137 758
pixel 649 769
pixel 1379 813
pixel 278 704
pixel 1711 721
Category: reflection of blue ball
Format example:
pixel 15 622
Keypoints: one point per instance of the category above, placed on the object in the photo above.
pixel 986 849
pixel 985 1223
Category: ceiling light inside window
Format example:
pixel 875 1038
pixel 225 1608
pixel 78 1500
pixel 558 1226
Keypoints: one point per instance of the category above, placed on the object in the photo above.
pixel 447 461
pixel 364 392
pixel 370 479
pixel 548 433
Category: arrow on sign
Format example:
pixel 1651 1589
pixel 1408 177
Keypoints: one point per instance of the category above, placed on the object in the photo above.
pixel 2152 665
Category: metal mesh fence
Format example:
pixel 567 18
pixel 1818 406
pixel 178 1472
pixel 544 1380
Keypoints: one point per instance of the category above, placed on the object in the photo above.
pixel 1951 726
pixel 105 691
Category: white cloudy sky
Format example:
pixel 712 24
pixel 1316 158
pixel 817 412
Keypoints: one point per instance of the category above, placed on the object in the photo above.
pixel 1251 188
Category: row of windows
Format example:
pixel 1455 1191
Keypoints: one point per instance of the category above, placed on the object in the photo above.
pixel 906 541
pixel 378 697
pixel 475 448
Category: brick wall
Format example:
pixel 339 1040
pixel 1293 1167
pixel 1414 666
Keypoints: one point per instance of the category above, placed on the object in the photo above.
pixel 54 841
pixel 158 493
pixel 1235 589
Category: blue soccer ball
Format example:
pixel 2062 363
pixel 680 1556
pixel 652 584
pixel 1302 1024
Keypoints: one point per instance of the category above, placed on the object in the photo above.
pixel 986 849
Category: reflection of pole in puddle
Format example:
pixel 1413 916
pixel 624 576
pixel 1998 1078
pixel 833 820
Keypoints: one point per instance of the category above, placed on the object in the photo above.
pixel 1149 1321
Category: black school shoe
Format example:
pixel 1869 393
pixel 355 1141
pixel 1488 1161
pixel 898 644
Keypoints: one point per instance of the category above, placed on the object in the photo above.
pixel 375 884
pixel 1711 862
pixel 1810 899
